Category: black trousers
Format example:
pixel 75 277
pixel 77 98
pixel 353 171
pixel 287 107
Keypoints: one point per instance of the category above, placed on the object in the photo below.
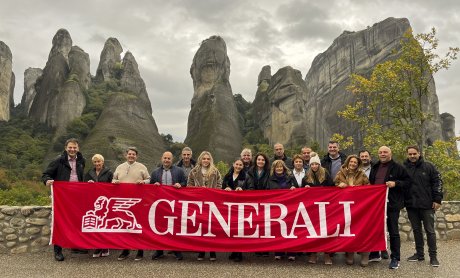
pixel 393 230
pixel 416 218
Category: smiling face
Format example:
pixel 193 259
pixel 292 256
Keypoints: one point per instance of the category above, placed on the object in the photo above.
pixel 384 154
pixel 314 166
pixel 333 149
pixel 260 162
pixel 279 150
pixel 413 155
pixel 246 158
pixel 205 161
pixel 186 156
pixel 353 163
pixel 98 164
pixel 298 164
pixel 279 169
pixel 365 158
pixel 306 154
pixel 72 149
pixel 238 166
pixel 131 156
pixel 167 160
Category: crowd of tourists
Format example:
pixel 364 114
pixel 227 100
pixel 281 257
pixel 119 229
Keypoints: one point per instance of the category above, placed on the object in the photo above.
pixel 416 185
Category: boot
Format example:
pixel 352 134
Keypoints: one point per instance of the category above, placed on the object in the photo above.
pixel 313 258
pixel 350 257
pixel 364 259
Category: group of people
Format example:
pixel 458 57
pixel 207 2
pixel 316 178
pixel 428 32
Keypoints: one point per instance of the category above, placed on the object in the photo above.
pixel 416 185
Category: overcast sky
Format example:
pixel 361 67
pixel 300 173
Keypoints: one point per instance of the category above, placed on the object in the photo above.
pixel 164 36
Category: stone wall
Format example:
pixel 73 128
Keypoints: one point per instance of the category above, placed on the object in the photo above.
pixel 27 229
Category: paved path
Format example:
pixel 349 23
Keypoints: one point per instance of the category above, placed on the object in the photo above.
pixel 43 265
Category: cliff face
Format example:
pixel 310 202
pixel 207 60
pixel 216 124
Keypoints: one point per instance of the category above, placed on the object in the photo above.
pixel 213 119
pixel 30 78
pixel 60 89
pixel 6 81
pixel 110 58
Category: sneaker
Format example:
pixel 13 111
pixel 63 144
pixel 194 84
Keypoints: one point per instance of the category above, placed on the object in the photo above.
pixel 415 258
pixel 385 255
pixel 105 253
pixel 58 256
pixel 200 256
pixel 374 257
pixel 434 262
pixel 157 254
pixel 123 255
pixel 97 253
pixel 277 258
pixel 394 264
pixel 139 255
pixel 212 256
pixel 291 258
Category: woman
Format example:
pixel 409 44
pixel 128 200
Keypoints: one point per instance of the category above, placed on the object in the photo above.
pixel 205 174
pixel 234 180
pixel 99 173
pixel 281 178
pixel 351 174
pixel 317 176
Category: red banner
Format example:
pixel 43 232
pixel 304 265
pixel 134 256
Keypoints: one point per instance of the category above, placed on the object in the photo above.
pixel 130 216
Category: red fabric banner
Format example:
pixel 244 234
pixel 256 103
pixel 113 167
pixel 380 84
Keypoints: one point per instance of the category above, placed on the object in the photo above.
pixel 130 216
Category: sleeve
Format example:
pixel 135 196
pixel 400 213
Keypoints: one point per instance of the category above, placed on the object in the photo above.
pixel 50 171
pixel 87 177
pixel 145 175
pixel 153 177
pixel 436 185
pixel 340 177
pixel 403 179
pixel 115 175
pixel 248 183
pixel 219 180
pixel 191 179
pixel 182 179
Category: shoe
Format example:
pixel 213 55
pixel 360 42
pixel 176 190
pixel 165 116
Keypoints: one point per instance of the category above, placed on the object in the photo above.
pixel 434 262
pixel 212 256
pixel 123 255
pixel 415 258
pixel 238 258
pixel 265 254
pixel 364 259
pixel 350 258
pixel 200 256
pixel 277 258
pixel 97 253
pixel 394 264
pixel 385 255
pixel 232 256
pixel 157 254
pixel 58 256
pixel 291 258
pixel 375 257
pixel 78 251
pixel 313 258
pixel 179 256
pixel 327 259
pixel 139 255
pixel 105 253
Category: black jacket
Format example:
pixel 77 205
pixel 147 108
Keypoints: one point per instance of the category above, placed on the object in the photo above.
pixel 177 175
pixel 287 161
pixel 59 169
pixel 254 183
pixel 397 173
pixel 105 175
pixel 326 182
pixel 229 182
pixel 426 186
pixel 326 162
pixel 290 180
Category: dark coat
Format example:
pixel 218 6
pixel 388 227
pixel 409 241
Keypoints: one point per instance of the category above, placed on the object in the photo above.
pixel 59 169
pixel 181 163
pixel 254 183
pixel 105 175
pixel 397 173
pixel 177 175
pixel 274 184
pixel 287 161
pixel 229 182
pixel 426 186
pixel 326 182
pixel 326 162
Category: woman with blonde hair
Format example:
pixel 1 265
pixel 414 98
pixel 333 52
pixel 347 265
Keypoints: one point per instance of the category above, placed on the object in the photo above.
pixel 207 175
pixel 351 174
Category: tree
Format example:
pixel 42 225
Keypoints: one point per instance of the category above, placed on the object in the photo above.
pixel 391 103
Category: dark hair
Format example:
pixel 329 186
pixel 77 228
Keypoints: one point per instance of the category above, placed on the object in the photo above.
pixel 333 142
pixel 364 151
pixel 297 156
pixel 71 140
pixel 267 162
pixel 134 149
pixel 413 147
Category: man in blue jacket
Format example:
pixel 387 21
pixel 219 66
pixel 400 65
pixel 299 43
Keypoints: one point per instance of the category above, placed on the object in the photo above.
pixel 423 198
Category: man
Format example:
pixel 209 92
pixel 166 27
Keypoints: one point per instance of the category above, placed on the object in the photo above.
pixel 395 177
pixel 186 163
pixel 279 155
pixel 425 196
pixel 305 151
pixel 67 167
pixel 246 157
pixel 334 159
pixel 131 171
pixel 366 159
pixel 168 174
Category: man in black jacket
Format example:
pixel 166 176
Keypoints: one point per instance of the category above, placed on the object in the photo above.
pixel 425 196
pixel 334 159
pixel 67 167
pixel 395 177
pixel 280 155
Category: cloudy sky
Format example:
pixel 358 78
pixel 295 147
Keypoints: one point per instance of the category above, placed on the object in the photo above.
pixel 164 36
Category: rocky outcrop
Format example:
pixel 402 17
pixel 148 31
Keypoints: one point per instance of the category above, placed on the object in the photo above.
pixel 12 84
pixel 280 106
pixel 126 121
pixel 60 98
pixel 30 78
pixel 213 118
pixel 110 60
pixel 329 75
pixel 6 81
pixel 448 126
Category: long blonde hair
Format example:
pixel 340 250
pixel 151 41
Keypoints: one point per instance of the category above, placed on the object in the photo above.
pixel 320 174
pixel 212 168
pixel 277 163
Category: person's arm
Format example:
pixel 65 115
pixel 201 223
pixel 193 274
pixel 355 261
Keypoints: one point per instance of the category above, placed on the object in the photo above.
pixel 50 173
pixel 436 187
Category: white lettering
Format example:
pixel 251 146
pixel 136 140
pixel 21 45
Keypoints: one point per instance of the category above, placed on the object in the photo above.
pixel 214 211
pixel 323 221
pixel 301 210
pixel 269 219
pixel 152 217
pixel 185 218
pixel 347 216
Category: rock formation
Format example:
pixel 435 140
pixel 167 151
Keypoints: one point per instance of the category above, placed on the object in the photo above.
pixel 110 58
pixel 30 78
pixel 60 89
pixel 6 81
pixel 280 106
pixel 213 118
pixel 126 119
pixel 448 126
